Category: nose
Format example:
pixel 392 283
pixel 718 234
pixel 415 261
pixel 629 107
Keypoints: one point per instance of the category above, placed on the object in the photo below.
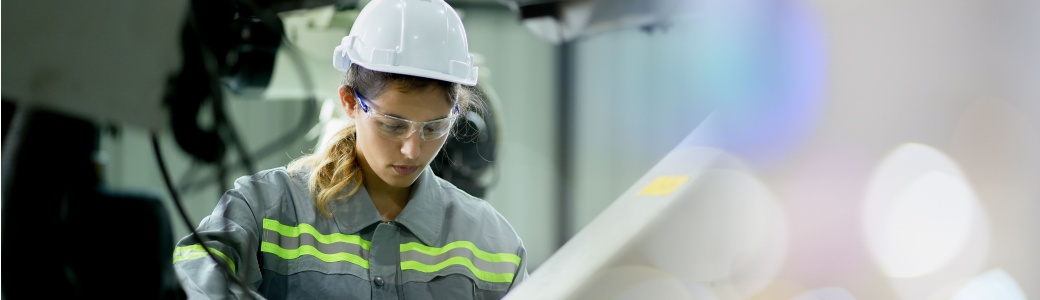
pixel 410 146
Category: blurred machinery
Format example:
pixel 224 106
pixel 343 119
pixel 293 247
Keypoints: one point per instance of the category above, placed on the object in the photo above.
pixel 74 68
pixel 560 21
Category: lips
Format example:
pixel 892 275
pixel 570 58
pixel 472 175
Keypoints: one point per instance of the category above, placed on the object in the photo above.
pixel 405 170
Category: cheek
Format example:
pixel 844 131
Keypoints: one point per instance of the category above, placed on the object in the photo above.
pixel 372 144
pixel 384 146
pixel 432 149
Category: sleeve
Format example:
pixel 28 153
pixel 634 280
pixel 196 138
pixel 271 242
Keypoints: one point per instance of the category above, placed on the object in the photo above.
pixel 521 272
pixel 231 234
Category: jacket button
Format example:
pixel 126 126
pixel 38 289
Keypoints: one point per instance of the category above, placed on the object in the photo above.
pixel 378 281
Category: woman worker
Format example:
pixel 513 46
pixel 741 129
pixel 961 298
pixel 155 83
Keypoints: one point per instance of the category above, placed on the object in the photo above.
pixel 364 217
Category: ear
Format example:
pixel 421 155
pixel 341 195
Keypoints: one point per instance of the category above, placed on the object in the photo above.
pixel 347 100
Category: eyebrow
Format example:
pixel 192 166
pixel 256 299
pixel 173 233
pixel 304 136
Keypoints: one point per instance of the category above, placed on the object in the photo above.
pixel 373 106
pixel 403 118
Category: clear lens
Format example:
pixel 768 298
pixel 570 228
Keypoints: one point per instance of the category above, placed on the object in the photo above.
pixel 400 129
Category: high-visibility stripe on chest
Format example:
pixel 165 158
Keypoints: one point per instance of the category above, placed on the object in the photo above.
pixel 292 242
pixel 491 267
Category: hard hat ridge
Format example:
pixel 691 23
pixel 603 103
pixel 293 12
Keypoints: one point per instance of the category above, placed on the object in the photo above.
pixel 422 38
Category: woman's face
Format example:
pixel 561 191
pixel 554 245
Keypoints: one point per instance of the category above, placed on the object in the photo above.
pixel 396 163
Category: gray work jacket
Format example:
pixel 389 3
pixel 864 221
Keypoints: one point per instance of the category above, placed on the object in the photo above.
pixel 445 244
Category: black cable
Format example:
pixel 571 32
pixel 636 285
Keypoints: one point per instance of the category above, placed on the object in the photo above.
pixel 190 181
pixel 229 132
pixel 187 222
pixel 303 126
pixel 212 66
pixel 232 134
pixel 305 80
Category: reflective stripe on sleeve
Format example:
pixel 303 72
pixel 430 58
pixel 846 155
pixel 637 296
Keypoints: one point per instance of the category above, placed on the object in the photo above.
pixel 196 251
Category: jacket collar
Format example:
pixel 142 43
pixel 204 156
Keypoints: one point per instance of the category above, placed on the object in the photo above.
pixel 423 215
pixel 425 211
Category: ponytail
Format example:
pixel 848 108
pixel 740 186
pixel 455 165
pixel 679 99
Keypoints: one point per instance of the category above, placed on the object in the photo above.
pixel 332 170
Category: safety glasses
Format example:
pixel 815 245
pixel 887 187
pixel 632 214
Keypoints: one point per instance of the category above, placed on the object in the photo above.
pixel 399 129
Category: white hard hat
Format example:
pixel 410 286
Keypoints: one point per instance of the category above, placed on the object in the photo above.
pixel 422 38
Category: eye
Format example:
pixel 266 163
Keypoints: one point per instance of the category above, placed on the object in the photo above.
pixel 438 126
pixel 392 125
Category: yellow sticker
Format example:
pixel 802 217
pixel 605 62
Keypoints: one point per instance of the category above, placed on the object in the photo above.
pixel 663 185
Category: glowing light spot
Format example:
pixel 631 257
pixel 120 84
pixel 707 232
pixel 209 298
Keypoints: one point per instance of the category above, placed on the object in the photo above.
pixel 919 212
pixel 992 285
pixel 928 223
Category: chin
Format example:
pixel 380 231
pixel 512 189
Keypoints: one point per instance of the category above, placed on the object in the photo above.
pixel 399 181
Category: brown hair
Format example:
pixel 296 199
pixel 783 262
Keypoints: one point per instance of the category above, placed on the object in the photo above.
pixel 335 168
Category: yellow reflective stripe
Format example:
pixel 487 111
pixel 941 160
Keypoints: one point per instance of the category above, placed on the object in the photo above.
pixel 434 251
pixel 196 251
pixel 457 260
pixel 291 231
pixel 310 250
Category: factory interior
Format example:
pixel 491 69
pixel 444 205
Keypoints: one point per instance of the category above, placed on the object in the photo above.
pixel 641 149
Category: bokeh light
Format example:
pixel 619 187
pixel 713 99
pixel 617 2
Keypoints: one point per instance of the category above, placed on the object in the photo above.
pixel 762 63
pixel 919 211
pixel 993 285
pixel 727 232
pixel 927 225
